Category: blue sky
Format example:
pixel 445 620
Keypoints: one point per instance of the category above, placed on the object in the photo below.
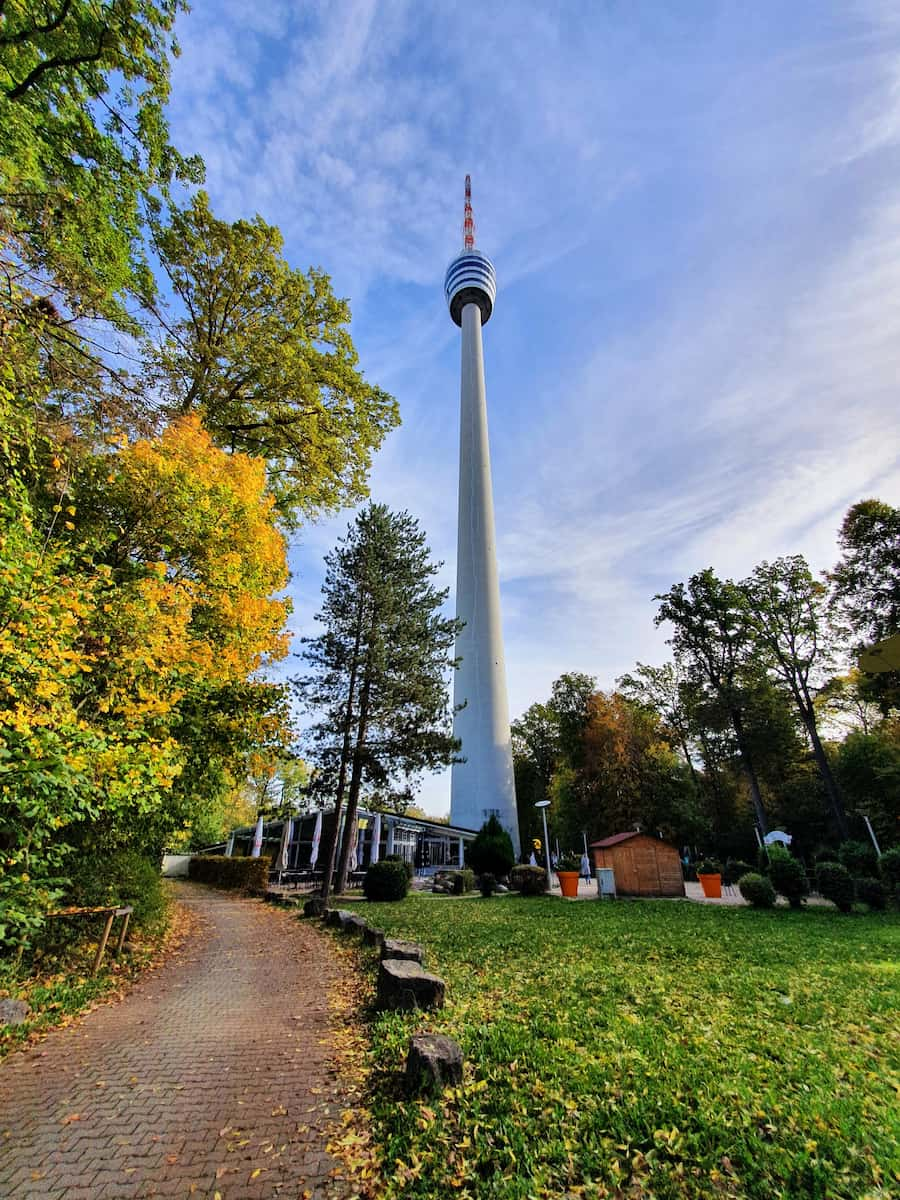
pixel 694 212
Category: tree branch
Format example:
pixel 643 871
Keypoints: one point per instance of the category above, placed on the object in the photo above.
pixel 23 35
pixel 76 60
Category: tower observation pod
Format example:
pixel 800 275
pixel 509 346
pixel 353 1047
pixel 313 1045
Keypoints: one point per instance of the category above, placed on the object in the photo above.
pixel 482 785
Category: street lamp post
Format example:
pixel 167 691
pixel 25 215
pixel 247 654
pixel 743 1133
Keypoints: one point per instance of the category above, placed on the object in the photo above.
pixel 543 805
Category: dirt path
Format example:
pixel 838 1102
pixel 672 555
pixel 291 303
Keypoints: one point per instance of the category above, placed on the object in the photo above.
pixel 214 1075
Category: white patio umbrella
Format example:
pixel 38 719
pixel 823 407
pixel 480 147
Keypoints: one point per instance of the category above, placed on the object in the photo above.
pixel 376 839
pixel 229 849
pixel 286 834
pixel 317 837
pixel 257 839
pixel 354 847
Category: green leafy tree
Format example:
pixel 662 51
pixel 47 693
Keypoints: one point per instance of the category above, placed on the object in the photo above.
pixel 379 669
pixel 84 147
pixel 865 586
pixel 263 353
pixel 787 621
pixel 712 639
pixel 491 850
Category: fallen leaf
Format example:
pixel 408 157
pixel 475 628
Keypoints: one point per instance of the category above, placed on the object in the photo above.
pixel 70 1118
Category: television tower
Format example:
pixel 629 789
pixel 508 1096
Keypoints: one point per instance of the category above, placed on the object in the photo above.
pixel 482 785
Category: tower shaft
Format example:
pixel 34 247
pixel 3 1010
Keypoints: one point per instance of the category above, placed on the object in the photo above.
pixel 482 785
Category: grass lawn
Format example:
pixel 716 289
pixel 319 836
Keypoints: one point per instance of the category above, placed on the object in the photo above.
pixel 653 1048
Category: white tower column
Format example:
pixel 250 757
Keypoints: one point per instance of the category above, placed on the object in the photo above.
pixel 483 784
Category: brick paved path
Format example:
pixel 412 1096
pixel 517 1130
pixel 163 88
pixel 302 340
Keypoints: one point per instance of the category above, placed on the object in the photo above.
pixel 215 1067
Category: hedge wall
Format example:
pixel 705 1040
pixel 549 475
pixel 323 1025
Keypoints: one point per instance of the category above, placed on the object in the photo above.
pixel 246 874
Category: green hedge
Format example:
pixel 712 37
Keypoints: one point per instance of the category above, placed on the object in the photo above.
pixel 386 880
pixel 835 883
pixel 530 881
pixel 245 874
pixel 757 890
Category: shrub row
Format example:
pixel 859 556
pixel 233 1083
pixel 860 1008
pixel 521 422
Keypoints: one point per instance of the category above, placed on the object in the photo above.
pixel 248 874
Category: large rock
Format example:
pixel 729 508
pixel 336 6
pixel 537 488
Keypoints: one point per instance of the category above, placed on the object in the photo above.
pixel 373 937
pixel 396 948
pixel 314 907
pixel 14 1012
pixel 404 985
pixel 340 918
pixel 355 924
pixel 433 1062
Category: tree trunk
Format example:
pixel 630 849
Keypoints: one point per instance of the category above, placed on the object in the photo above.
pixel 345 758
pixel 355 779
pixel 807 712
pixel 755 793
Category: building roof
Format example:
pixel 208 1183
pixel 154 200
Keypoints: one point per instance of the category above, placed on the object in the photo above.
pixel 615 839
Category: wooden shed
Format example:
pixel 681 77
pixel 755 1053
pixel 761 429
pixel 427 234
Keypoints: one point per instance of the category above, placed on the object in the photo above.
pixel 643 865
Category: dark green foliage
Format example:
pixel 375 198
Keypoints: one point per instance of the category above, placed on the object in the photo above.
pixel 859 858
pixel 788 876
pixel 246 874
pixel 530 881
pixel 835 883
pixel 735 870
pixel 871 891
pixel 757 890
pixel 492 851
pixel 407 866
pixel 569 862
pixel 463 881
pixel 487 884
pixel 123 877
pixel 889 868
pixel 709 866
pixel 386 880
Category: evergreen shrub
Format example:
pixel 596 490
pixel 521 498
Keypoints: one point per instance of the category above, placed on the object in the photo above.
pixel 386 880
pixel 487 884
pixel 859 858
pixel 889 869
pixel 530 881
pixel 491 851
pixel 871 891
pixel 788 875
pixel 835 883
pixel 463 881
pixel 735 870
pixel 709 866
pixel 407 866
pixel 757 890
pixel 242 873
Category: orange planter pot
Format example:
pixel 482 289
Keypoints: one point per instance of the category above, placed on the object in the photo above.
pixel 712 886
pixel 568 882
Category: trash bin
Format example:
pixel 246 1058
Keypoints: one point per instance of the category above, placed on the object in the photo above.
pixel 606 883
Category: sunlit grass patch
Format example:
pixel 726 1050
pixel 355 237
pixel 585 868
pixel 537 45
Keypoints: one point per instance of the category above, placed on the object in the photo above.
pixel 653 1048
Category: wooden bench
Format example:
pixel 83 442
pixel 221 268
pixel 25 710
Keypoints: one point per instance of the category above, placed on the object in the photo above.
pixel 110 914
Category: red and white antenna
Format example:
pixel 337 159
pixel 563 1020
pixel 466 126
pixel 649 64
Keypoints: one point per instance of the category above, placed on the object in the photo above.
pixel 468 219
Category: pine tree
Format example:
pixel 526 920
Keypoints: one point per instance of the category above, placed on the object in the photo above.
pixel 378 674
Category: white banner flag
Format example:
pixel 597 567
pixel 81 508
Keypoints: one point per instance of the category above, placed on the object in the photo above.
pixel 376 838
pixel 317 837
pixel 257 839
pixel 286 834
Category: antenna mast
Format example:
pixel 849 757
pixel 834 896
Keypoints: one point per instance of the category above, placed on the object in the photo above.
pixel 468 219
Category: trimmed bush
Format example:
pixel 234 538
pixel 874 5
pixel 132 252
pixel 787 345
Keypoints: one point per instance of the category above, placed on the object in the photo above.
pixel 487 884
pixel 709 866
pixel 871 891
pixel 530 881
pixel 735 870
pixel 386 880
pixel 491 852
pixel 757 890
pixel 243 874
pixel 462 881
pixel 859 858
pixel 123 877
pixel 835 883
pixel 407 866
pixel 889 869
pixel 788 875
